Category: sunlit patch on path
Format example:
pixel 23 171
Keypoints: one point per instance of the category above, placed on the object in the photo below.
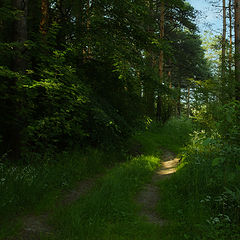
pixel 148 198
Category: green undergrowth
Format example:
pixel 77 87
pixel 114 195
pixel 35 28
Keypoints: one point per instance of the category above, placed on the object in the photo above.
pixel 171 136
pixel 202 200
pixel 109 211
pixel 37 187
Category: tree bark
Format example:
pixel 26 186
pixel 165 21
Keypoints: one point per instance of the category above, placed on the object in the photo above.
pixel 161 59
pixel 162 30
pixel 20 33
pixel 188 102
pixel 230 36
pixel 13 128
pixel 237 47
pixel 223 52
pixel 45 17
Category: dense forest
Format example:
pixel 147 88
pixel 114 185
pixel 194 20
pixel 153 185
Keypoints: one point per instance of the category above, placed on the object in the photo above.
pixel 92 87
pixel 89 72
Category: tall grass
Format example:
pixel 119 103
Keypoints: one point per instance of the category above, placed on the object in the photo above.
pixel 37 187
pixel 110 211
pixel 172 136
pixel 202 200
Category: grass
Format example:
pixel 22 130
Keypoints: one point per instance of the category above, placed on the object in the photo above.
pixel 172 136
pixel 201 201
pixel 109 211
pixel 36 188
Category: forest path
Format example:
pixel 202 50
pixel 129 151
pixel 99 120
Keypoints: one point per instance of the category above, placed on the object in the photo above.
pixel 36 226
pixel 149 197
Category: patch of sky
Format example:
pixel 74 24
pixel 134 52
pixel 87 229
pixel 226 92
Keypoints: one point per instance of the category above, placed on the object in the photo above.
pixel 208 17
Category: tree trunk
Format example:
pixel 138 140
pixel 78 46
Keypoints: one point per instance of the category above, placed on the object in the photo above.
pixel 45 17
pixel 20 33
pixel 161 60
pixel 162 20
pixel 230 36
pixel 88 28
pixel 223 52
pixel 179 99
pixel 13 128
pixel 188 102
pixel 237 47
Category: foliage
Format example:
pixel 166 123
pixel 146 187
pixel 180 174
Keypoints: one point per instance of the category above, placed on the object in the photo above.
pixel 172 135
pixel 89 74
pixel 202 199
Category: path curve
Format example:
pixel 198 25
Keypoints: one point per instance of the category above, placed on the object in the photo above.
pixel 35 226
pixel 148 198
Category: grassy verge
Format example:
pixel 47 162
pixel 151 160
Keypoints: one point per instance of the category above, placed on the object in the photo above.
pixel 202 200
pixel 36 188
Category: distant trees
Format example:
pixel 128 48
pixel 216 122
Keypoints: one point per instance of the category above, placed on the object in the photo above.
pixel 229 87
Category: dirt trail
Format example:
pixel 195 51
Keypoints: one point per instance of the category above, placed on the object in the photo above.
pixel 149 196
pixel 35 226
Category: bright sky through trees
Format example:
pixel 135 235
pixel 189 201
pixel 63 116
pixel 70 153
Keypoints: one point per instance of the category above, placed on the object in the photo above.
pixel 209 17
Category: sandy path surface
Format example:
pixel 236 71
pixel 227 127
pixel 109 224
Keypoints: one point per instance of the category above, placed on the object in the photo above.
pixel 148 198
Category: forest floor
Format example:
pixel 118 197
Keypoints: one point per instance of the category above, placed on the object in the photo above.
pixel 131 197
pixel 121 203
pixel 36 227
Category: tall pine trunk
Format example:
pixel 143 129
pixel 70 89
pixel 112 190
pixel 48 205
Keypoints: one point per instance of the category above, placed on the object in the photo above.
pixel 19 64
pixel 45 17
pixel 230 36
pixel 161 60
pixel 237 47
pixel 20 33
pixel 223 52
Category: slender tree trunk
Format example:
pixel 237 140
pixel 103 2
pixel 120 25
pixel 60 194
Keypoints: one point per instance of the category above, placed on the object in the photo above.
pixel 45 17
pixel 179 99
pixel 237 47
pixel 19 64
pixel 20 33
pixel 88 27
pixel 223 52
pixel 188 102
pixel 230 36
pixel 161 59
pixel 149 86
